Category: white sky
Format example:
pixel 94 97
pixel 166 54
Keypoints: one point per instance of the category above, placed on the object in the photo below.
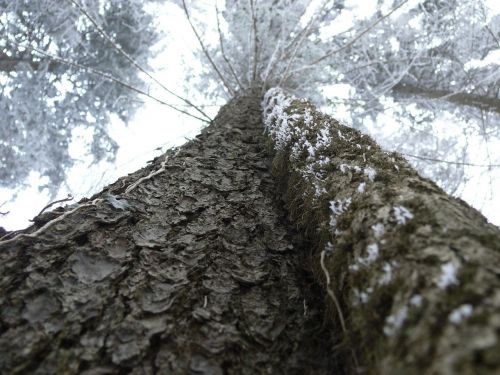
pixel 156 128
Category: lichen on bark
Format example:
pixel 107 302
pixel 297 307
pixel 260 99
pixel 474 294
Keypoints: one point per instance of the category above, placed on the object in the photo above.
pixel 414 271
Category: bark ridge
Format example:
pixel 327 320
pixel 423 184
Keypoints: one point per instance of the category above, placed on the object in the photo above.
pixel 194 270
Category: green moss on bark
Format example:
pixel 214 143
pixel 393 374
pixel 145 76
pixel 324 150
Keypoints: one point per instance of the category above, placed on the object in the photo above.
pixel 415 270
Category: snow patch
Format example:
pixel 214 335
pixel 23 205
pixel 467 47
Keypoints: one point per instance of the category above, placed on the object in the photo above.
pixel 460 313
pixel 324 139
pixel 402 215
pixel 276 120
pixel 307 117
pixel 338 207
pixel 319 190
pixel 372 255
pixel 344 168
pixel 371 173
pixel 387 276
pixel 378 230
pixel 416 300
pixel 363 296
pixel 448 275
pixel 395 321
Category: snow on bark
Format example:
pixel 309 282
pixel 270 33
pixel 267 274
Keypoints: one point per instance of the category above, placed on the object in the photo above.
pixel 412 272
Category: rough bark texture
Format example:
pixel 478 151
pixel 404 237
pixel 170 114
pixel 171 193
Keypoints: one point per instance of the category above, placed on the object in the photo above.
pixel 416 273
pixel 196 271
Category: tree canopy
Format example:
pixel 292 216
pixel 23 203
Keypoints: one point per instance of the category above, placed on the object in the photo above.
pixel 52 61
pixel 422 76
pixel 428 64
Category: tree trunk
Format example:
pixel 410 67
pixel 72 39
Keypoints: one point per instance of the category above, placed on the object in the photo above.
pixel 413 275
pixel 194 271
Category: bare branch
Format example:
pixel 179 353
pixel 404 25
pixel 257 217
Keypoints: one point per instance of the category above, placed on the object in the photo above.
pixel 106 76
pixel 131 60
pixel 255 42
pixel 493 35
pixel 452 162
pixel 270 65
pixel 205 51
pixel 304 33
pixel 223 51
pixel 67 199
pixel 353 40
pixel 47 225
pixel 461 98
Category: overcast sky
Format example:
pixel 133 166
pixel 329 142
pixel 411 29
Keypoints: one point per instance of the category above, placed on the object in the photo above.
pixel 156 128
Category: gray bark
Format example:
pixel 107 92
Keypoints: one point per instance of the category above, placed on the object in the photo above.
pixel 195 270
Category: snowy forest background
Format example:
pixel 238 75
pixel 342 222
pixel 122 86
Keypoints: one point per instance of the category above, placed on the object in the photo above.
pixel 92 90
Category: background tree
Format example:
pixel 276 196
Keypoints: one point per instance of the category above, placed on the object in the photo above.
pixel 430 67
pixel 43 100
pixel 190 264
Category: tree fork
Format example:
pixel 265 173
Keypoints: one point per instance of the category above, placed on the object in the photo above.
pixel 416 271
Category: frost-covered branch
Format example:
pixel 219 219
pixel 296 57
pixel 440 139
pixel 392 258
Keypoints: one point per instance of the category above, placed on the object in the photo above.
pixel 207 54
pixel 353 40
pixel 255 42
pixel 297 43
pixel 105 76
pixel 49 224
pixel 223 53
pixel 120 50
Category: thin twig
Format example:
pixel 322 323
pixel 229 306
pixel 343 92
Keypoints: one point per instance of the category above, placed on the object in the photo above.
pixel 106 76
pixel 223 52
pixel 205 51
pixel 452 162
pixel 67 199
pixel 353 40
pixel 255 42
pixel 151 175
pixel 131 60
pixel 49 224
pixel 330 291
pixel 270 66
pixel 485 137
pixel 304 33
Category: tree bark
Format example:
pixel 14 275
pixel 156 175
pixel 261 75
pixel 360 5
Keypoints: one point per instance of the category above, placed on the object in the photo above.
pixel 190 266
pixel 186 266
pixel 413 274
